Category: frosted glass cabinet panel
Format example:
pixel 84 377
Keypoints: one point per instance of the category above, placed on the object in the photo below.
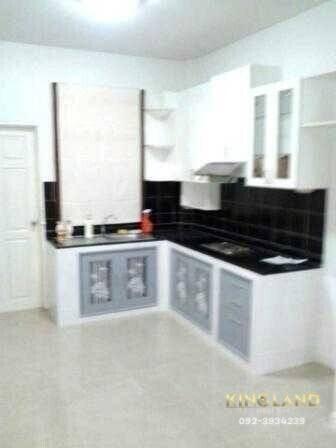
pixel 138 279
pixel 117 281
pixel 285 123
pixel 259 136
pixel 200 300
pixel 286 152
pixel 191 289
pixel 99 282
pixel 180 282
pixel 275 146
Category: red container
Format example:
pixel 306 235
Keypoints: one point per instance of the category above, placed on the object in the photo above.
pixel 146 223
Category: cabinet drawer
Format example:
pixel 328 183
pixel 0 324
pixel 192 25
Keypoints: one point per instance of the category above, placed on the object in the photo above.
pixel 234 333
pixel 235 313
pixel 235 295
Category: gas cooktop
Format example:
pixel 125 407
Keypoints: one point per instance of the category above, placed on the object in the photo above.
pixel 229 249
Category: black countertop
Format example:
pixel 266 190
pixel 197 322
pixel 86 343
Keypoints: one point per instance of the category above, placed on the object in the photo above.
pixel 193 238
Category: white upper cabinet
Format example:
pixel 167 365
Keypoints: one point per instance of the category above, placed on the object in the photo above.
pixel 198 141
pixel 291 140
pixel 231 112
pixel 207 123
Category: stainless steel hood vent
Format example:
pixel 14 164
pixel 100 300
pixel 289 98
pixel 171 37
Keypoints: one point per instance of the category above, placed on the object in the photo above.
pixel 226 171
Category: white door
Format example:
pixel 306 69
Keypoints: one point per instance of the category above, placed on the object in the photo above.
pixel 19 232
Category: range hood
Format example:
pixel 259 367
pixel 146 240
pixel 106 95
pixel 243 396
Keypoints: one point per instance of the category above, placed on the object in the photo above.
pixel 223 171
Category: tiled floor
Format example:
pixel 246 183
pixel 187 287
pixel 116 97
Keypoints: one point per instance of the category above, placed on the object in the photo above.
pixel 140 382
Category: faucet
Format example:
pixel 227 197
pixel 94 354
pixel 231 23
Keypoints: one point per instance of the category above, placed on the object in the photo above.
pixel 105 221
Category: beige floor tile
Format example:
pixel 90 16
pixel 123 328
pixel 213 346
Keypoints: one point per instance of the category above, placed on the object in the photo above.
pixel 146 381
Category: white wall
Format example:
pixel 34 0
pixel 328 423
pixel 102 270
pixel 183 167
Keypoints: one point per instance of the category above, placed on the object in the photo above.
pixel 26 72
pixel 302 46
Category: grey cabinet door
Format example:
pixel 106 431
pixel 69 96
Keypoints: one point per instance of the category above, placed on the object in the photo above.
pixel 117 281
pixel 99 284
pixel 137 279
pixel 200 297
pixel 191 289
pixel 235 313
pixel 180 281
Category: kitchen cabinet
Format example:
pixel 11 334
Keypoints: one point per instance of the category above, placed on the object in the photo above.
pixel 219 129
pixel 117 281
pixel 235 313
pixel 191 289
pixel 99 276
pixel 262 319
pixel 290 142
pixel 137 279
pixel 198 142
pixel 231 112
pixel 203 124
pixel 219 119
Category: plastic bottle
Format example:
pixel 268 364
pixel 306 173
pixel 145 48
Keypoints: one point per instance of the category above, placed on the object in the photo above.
pixel 69 229
pixel 146 223
pixel 88 227
pixel 60 230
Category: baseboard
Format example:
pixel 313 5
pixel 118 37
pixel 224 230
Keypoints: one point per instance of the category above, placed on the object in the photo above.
pixel 19 306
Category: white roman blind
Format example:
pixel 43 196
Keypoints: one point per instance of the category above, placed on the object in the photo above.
pixel 99 153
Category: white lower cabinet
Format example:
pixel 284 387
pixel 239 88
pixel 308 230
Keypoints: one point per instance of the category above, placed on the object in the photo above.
pixel 96 282
pixel 192 296
pixel 265 322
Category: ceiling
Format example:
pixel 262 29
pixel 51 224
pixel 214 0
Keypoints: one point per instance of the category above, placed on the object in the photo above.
pixel 171 29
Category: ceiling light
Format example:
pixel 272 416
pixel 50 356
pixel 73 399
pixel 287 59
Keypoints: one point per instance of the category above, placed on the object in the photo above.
pixel 110 10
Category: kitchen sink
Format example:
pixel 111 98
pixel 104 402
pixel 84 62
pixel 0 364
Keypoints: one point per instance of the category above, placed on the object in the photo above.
pixel 126 237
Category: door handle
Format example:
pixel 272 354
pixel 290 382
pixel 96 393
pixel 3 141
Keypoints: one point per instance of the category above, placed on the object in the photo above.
pixel 34 223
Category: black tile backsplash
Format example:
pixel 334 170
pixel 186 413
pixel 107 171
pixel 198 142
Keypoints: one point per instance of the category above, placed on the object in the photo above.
pixel 281 219
pixel 163 198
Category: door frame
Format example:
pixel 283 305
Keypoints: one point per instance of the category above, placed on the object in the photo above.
pixel 41 220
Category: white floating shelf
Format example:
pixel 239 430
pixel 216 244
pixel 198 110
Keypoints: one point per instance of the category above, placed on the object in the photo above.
pixel 158 147
pixel 159 114
pixel 319 124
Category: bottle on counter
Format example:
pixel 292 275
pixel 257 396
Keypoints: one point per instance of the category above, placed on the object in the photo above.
pixel 61 231
pixel 88 227
pixel 146 222
pixel 69 229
